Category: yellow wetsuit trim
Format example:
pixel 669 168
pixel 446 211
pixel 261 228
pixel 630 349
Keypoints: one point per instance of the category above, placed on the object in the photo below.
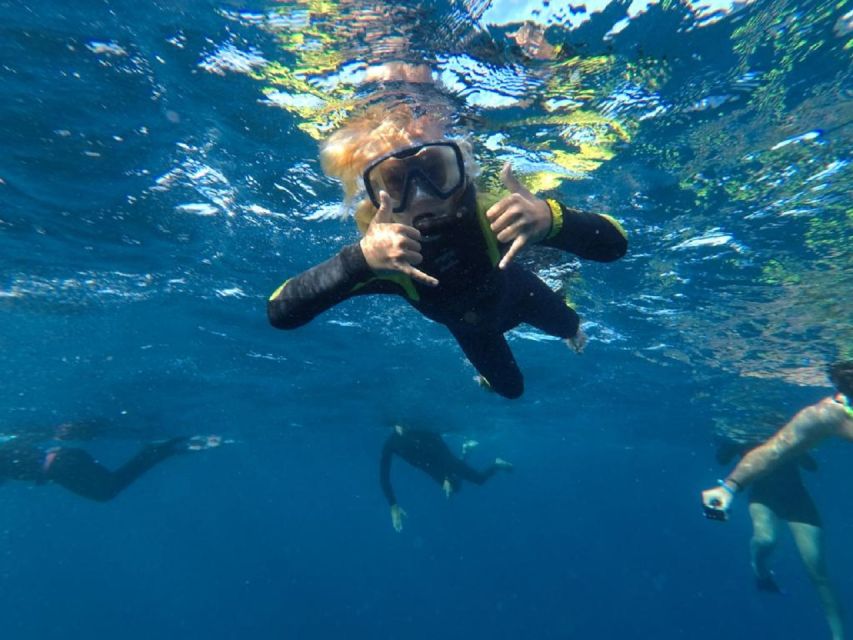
pixel 278 291
pixel 401 279
pixel 618 226
pixel 406 282
pixel 484 203
pixel 556 218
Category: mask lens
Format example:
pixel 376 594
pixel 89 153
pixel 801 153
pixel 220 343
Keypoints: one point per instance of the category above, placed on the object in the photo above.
pixel 438 165
pixel 392 177
pixel 389 176
pixel 435 166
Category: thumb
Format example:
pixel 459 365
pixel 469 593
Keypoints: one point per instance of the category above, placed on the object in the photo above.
pixel 511 182
pixel 383 215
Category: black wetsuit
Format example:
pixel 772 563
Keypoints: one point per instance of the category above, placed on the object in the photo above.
pixel 428 452
pixel 76 470
pixel 474 299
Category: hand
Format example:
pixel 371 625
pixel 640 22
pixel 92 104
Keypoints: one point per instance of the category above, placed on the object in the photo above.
pixel 390 247
pixel 520 218
pixel 500 463
pixel 577 341
pixel 717 498
pixel 397 515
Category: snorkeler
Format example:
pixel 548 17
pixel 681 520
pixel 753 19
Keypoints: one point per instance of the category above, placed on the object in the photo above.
pixel 771 471
pixel 22 458
pixel 428 452
pixel 432 239
pixel 781 495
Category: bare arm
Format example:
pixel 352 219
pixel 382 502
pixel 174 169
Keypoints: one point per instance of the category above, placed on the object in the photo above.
pixel 805 430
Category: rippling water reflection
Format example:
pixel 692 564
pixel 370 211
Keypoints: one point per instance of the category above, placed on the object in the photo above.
pixel 181 160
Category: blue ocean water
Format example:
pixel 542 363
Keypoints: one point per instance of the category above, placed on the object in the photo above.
pixel 159 179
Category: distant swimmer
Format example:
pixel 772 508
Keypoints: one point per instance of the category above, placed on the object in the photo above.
pixel 428 452
pixel 771 472
pixel 432 238
pixel 26 459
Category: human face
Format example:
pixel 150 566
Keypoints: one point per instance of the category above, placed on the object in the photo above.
pixel 418 179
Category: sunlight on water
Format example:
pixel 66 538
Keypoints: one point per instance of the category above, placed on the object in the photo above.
pixel 718 133
pixel 743 166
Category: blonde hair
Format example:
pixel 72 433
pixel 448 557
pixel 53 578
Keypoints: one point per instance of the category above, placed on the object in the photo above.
pixel 380 130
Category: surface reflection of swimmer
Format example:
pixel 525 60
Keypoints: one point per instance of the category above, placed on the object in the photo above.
pixel 428 452
pixel 25 458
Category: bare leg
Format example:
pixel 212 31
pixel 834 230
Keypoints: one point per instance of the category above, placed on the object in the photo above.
pixel 762 544
pixel 809 539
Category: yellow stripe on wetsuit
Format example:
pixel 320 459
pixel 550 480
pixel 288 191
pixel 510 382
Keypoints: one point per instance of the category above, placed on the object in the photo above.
pixel 557 220
pixel 278 291
pixel 615 223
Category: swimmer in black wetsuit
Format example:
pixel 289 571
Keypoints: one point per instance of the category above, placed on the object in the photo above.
pixel 430 238
pixel 428 452
pixel 22 458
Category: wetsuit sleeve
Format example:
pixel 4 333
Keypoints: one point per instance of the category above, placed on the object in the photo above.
pixel 385 473
pixel 591 236
pixel 305 296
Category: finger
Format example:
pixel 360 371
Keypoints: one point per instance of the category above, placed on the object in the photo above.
pixel 505 219
pixel 420 276
pixel 494 212
pixel 412 257
pixel 408 232
pixel 512 232
pixel 514 249
pixel 511 182
pixel 383 214
pixel 407 244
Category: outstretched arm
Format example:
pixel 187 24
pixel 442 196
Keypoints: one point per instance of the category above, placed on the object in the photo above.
pixel 591 236
pixel 805 430
pixel 305 296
